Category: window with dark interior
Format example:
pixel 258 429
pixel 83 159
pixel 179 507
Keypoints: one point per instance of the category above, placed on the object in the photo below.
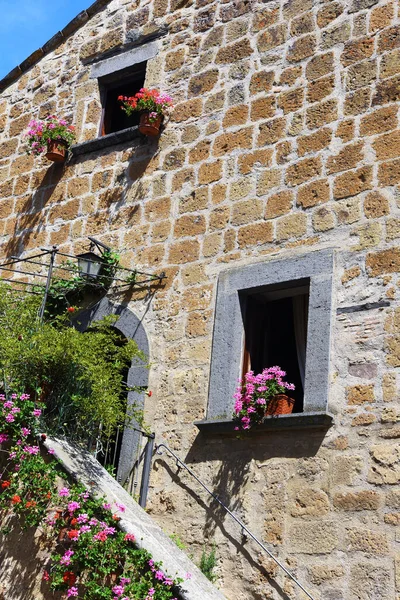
pixel 122 83
pixel 275 326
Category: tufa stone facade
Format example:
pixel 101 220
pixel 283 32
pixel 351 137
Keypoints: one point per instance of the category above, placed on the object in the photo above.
pixel 284 141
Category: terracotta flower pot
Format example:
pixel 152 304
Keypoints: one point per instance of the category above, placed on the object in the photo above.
pixel 150 127
pixel 56 150
pixel 280 405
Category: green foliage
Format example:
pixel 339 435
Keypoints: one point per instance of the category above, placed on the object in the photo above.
pixel 79 376
pixel 208 562
pixel 177 541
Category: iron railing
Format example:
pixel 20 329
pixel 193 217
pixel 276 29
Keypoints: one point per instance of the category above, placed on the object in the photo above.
pixel 180 464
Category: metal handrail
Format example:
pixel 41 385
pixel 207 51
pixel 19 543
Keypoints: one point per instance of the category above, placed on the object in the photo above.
pixel 238 521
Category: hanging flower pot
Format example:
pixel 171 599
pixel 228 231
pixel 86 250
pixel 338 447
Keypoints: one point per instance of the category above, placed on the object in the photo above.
pixel 150 125
pixel 56 150
pixel 280 404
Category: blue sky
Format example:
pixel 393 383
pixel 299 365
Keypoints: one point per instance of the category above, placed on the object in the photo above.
pixel 25 25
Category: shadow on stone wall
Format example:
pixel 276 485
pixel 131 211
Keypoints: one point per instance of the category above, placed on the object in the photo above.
pixel 30 221
pixel 230 475
pixel 24 555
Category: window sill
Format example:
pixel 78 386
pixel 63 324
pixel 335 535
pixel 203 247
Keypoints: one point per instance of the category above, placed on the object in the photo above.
pixel 311 420
pixel 111 139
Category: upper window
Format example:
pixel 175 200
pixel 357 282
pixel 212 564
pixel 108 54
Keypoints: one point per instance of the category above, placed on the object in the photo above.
pixel 274 313
pixel 275 331
pixel 123 83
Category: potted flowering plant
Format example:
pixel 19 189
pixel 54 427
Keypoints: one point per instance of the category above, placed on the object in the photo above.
pixel 260 395
pixel 53 136
pixel 152 106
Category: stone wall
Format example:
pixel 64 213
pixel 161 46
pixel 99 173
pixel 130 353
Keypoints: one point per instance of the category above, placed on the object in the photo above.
pixel 284 140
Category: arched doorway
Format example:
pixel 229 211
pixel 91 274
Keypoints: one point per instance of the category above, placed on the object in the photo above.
pixel 131 327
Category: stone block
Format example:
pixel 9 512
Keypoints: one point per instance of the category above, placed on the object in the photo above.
pixel 271 38
pixel 358 102
pixel 380 121
pixel 226 142
pixel 367 541
pixel 186 110
pixel 190 226
pixel 263 108
pixel 303 170
pixel 389 39
pixel 347 158
pixel 247 211
pixel 234 52
pixel 209 172
pixel 352 183
pixel 271 131
pixel 261 82
pixel 313 537
pixel 329 13
pixel 345 130
pixel 292 8
pixel 389 172
pixel 205 82
pixel 247 163
pixel 320 574
pixel 361 74
pixel 360 394
pixel 390 64
pixel 381 17
pixel 323 219
pixel 291 226
pixel 200 152
pixel 264 18
pixel 310 502
pixel 319 89
pixel 313 193
pixel 279 204
pixel 315 141
pixel 385 465
pixel 387 91
pixel 337 34
pixel 357 50
pixel 370 581
pixel 322 113
pixel 384 261
pixel 268 180
pixel 358 500
pixel 290 101
pixel 255 234
pixel 302 48
pixel 301 25
pixel 184 252
pixel 236 115
pixel 346 469
pixel 387 146
pixel 320 65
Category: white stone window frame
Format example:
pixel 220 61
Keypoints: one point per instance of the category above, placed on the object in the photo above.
pixel 228 335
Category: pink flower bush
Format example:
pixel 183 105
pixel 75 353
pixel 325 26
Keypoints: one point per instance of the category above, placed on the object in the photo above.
pixel 52 128
pixel 254 392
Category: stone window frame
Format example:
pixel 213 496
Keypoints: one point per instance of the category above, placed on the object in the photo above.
pixel 111 66
pixel 228 335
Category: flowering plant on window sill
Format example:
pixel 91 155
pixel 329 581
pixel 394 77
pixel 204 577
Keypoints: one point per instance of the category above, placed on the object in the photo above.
pixel 146 100
pixel 255 394
pixel 52 130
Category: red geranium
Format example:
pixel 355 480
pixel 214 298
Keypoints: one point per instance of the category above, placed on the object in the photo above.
pixel 69 577
pixel 5 484
pixel 16 499
pixel 73 534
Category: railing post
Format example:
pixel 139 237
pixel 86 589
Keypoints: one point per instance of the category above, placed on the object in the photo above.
pixel 144 485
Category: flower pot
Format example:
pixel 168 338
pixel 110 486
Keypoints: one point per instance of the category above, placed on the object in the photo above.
pixel 280 405
pixel 150 127
pixel 56 150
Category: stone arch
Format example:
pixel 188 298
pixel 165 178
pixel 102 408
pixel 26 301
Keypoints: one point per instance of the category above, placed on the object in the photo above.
pixel 132 328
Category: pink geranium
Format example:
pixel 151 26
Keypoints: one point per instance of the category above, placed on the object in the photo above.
pixel 254 393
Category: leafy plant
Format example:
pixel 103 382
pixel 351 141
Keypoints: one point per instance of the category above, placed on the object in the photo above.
pixel 208 562
pixel 79 376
